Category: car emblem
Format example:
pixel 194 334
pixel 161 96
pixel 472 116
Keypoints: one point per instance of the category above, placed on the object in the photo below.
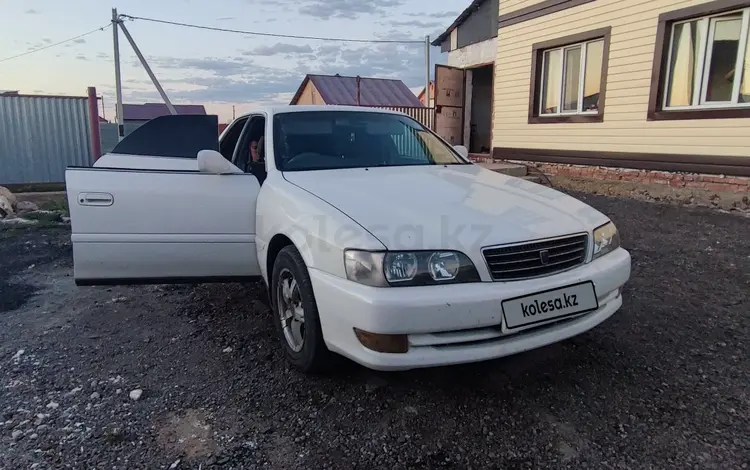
pixel 544 256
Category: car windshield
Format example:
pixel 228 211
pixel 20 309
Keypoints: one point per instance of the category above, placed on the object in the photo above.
pixel 327 140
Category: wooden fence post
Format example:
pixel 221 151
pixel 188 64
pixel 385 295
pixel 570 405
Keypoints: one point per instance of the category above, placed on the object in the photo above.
pixel 96 139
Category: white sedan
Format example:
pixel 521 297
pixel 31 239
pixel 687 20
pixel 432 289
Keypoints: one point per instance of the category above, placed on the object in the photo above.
pixel 376 239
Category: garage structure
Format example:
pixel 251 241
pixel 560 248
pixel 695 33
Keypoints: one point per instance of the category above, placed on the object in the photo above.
pixel 464 86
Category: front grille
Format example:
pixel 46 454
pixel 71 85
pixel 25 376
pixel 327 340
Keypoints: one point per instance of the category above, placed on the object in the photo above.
pixel 525 260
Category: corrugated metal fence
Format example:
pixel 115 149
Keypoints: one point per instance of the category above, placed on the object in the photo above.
pixel 40 136
pixel 421 114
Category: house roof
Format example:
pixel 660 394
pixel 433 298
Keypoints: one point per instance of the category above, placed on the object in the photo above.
pixel 341 90
pixel 457 22
pixel 148 111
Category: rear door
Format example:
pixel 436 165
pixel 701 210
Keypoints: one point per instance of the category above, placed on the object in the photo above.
pixel 149 225
pixel 449 103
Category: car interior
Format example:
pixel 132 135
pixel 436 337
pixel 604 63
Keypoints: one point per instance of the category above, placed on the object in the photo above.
pixel 240 139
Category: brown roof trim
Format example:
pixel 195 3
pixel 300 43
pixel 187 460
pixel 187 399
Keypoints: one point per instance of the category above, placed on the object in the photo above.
pixel 711 164
pixel 661 55
pixel 457 22
pixel 544 8
pixel 537 50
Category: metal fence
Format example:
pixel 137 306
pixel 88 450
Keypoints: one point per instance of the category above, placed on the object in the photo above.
pixel 40 136
pixel 422 114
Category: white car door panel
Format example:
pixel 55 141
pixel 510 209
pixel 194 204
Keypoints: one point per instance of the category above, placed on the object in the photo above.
pixel 150 226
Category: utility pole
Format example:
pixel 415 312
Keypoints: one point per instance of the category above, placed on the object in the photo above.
pixel 233 117
pixel 118 79
pixel 148 69
pixel 427 70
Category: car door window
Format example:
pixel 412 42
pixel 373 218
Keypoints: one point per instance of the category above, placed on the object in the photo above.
pixel 232 135
pixel 250 151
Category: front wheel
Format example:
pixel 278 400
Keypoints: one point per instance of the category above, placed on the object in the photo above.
pixel 296 313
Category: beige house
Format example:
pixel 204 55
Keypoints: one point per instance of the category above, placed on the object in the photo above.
pixel 422 96
pixel 647 84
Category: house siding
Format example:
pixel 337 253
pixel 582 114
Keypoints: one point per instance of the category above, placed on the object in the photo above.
pixel 310 95
pixel 625 127
pixel 509 6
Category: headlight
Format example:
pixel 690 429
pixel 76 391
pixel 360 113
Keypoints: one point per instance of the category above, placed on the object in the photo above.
pixel 365 267
pixel 409 268
pixel 606 239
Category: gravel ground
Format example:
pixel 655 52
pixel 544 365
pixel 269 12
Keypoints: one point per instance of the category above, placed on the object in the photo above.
pixel 662 384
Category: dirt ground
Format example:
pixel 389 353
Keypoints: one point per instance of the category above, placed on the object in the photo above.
pixel 662 384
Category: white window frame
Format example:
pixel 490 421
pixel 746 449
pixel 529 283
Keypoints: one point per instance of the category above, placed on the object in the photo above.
pixel 707 25
pixel 581 79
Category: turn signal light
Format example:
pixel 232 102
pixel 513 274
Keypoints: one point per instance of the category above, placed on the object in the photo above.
pixel 398 344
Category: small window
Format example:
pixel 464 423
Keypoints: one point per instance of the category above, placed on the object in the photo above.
pixel 572 78
pixel 708 62
pixel 569 77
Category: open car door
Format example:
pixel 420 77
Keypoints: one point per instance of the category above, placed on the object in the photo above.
pixel 150 223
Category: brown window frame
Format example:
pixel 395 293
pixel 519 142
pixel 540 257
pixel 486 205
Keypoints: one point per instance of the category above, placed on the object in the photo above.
pixel 537 52
pixel 661 56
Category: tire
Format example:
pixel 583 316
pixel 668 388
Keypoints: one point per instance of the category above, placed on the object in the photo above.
pixel 312 356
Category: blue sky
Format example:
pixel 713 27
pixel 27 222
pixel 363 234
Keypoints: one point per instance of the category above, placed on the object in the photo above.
pixel 214 68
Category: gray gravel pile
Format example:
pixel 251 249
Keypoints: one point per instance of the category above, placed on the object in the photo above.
pixel 185 377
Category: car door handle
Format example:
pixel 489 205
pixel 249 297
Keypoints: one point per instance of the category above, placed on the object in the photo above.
pixel 95 199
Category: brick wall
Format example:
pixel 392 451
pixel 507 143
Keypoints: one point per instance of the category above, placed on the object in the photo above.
pixel 714 183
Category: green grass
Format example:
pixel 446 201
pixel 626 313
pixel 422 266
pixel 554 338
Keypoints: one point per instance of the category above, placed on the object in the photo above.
pixel 35 187
pixel 43 217
pixel 60 204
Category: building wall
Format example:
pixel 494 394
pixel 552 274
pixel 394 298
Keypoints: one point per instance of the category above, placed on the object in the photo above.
pixel 432 96
pixel 479 26
pixel 310 95
pixel 480 53
pixel 625 127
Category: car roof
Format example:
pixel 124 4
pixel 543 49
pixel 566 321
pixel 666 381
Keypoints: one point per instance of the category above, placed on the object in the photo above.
pixel 272 110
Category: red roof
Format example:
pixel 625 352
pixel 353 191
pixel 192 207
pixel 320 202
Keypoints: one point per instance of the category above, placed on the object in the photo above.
pixel 340 90
pixel 148 111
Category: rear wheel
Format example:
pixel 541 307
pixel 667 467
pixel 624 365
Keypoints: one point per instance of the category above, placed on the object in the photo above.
pixel 296 313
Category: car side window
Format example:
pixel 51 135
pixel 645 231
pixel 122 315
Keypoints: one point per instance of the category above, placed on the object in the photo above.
pixel 229 142
pixel 250 149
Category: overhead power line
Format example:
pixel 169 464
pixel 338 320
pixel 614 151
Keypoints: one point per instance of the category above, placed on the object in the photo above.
pixel 57 43
pixel 273 35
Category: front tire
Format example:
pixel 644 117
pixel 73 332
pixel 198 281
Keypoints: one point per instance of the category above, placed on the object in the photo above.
pixel 296 313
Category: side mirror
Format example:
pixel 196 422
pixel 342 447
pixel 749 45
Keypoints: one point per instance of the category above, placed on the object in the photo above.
pixel 211 161
pixel 463 151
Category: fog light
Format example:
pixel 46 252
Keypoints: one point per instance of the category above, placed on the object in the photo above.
pixel 383 343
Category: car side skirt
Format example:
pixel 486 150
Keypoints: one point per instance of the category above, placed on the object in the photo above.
pixel 163 280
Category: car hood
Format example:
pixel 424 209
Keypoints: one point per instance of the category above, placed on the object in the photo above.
pixel 461 207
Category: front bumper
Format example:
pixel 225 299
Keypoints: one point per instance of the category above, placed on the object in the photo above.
pixel 459 323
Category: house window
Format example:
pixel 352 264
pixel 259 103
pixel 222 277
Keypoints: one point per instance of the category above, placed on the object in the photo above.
pixel 702 67
pixel 709 62
pixel 569 78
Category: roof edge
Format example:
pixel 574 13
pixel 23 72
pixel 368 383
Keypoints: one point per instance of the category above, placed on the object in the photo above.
pixel 299 91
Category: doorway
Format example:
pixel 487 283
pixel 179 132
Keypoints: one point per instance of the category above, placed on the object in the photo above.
pixel 480 119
